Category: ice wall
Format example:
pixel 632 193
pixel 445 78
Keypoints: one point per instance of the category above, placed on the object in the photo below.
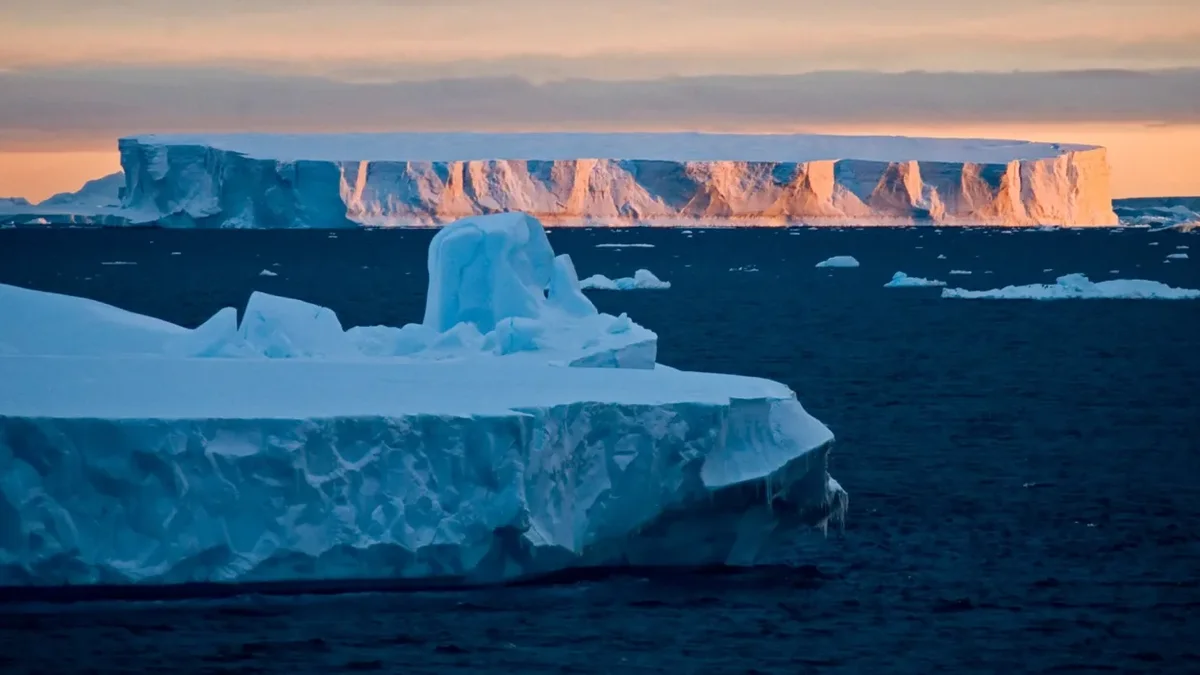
pixel 271 181
pixel 141 470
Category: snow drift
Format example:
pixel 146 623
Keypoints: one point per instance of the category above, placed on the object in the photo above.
pixel 342 180
pixel 502 436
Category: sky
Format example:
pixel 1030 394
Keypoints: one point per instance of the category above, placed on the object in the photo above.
pixel 77 74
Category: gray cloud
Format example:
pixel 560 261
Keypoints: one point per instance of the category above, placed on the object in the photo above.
pixel 73 109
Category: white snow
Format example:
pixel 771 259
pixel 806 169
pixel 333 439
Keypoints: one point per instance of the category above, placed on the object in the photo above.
pixel 902 280
pixel 1177 256
pixel 839 261
pixel 284 448
pixel 1078 286
pixel 40 323
pixel 641 280
pixel 624 245
pixel 405 179
pixel 268 273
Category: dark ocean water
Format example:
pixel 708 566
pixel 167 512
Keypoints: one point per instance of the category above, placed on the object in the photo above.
pixel 1024 477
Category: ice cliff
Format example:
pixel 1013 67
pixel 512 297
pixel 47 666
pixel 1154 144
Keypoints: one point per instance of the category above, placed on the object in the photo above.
pixel 514 431
pixel 285 181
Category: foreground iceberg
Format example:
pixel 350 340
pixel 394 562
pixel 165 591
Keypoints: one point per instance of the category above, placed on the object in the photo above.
pixel 284 448
pixel 343 180
pixel 1078 286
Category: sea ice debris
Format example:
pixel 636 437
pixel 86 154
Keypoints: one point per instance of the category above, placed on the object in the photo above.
pixel 902 280
pixel 839 261
pixel 1078 286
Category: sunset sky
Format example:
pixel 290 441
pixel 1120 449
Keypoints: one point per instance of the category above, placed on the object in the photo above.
pixel 76 74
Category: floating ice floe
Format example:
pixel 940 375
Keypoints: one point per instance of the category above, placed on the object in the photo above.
pixel 641 280
pixel 839 261
pixel 902 280
pixel 1078 286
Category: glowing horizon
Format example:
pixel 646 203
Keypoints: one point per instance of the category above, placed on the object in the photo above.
pixel 76 74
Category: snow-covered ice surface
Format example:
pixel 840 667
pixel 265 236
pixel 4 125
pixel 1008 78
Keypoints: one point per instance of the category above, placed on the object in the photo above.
pixel 412 179
pixel 285 448
pixel 641 280
pixel 902 280
pixel 839 261
pixel 1078 286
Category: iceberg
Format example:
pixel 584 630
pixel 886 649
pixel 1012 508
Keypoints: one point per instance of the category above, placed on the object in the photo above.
pixel 902 280
pixel 1177 256
pixel 283 448
pixel 98 202
pixel 1079 287
pixel 839 261
pixel 641 279
pixel 420 179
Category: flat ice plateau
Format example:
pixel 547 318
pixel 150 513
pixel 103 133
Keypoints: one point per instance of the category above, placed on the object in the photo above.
pixel 514 431
pixel 413 179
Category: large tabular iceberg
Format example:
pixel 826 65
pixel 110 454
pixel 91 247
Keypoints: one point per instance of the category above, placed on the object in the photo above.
pixel 514 431
pixel 284 181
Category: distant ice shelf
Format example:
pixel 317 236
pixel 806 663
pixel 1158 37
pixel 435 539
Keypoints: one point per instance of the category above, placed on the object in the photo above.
pixel 415 179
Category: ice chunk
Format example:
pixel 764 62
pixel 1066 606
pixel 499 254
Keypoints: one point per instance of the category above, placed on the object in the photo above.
pixel 217 337
pixel 963 271
pixel 902 280
pixel 1177 256
pixel 516 334
pixel 485 269
pixel 641 279
pixel 626 245
pixel 565 293
pixel 35 322
pixel 268 273
pixel 286 328
pixel 1078 286
pixel 839 261
pixel 391 341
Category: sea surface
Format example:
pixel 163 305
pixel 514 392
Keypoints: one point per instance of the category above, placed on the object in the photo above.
pixel 1024 476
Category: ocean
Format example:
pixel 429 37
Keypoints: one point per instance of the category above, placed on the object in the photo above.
pixel 1024 477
